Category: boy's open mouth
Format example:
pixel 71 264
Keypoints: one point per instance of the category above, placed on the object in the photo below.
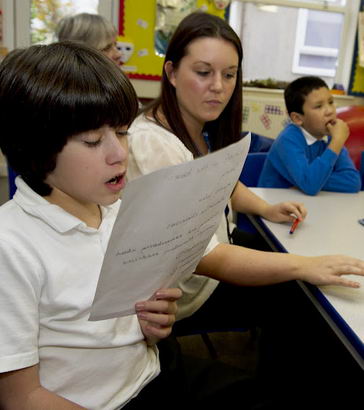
pixel 115 180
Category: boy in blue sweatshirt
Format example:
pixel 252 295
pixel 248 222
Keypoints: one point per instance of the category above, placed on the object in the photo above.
pixel 309 153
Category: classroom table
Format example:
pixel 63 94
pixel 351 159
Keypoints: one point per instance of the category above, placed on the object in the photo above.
pixel 331 227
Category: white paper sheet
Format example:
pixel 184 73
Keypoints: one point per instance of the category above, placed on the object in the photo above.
pixel 164 225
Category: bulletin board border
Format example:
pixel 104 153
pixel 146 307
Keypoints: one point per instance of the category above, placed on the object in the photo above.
pixel 355 65
pixel 121 17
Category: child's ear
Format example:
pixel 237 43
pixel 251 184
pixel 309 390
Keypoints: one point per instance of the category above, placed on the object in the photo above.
pixel 169 69
pixel 296 118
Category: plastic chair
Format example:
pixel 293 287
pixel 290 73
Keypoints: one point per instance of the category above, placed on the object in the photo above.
pixel 259 143
pixel 250 176
pixel 361 170
pixel 354 117
pixel 204 333
pixel 252 168
pixel 11 182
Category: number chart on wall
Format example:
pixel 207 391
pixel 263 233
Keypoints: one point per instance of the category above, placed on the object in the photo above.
pixel 146 26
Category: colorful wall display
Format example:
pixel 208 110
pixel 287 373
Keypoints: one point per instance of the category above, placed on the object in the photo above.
pixel 264 118
pixel 145 27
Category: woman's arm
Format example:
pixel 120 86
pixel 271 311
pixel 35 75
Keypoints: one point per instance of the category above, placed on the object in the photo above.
pixel 248 267
pixel 245 201
pixel 21 390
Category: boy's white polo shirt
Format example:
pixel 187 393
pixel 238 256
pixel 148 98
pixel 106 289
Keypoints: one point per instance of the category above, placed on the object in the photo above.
pixel 50 263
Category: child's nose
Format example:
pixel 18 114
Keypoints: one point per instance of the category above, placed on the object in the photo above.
pixel 117 150
pixel 330 108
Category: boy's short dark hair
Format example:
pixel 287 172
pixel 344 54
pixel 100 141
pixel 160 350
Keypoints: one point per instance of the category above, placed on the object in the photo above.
pixel 297 91
pixel 51 92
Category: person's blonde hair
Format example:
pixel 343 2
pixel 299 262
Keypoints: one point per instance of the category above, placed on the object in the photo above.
pixel 91 29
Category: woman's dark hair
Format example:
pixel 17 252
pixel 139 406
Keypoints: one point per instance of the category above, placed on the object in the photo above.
pixel 296 92
pixel 48 94
pixel 224 130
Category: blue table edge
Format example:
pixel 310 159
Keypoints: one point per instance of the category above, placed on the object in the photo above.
pixel 350 339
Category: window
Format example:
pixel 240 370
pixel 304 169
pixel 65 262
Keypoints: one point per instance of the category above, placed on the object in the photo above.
pixel 285 39
pixel 33 21
pixel 317 43
pixel 45 14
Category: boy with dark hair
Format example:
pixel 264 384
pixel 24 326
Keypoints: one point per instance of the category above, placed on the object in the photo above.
pixel 65 110
pixel 309 153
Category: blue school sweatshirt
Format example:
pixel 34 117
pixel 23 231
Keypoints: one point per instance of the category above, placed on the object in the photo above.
pixel 291 162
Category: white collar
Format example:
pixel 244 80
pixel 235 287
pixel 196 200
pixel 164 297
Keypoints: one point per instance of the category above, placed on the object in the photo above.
pixel 310 139
pixel 53 215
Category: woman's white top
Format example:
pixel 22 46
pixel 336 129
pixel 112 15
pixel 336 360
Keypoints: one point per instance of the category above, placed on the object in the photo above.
pixel 152 147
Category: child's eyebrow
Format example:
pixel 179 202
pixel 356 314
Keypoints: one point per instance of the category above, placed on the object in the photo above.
pixel 323 101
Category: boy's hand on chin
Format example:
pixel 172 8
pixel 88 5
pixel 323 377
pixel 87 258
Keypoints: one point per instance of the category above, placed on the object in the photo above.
pixel 338 129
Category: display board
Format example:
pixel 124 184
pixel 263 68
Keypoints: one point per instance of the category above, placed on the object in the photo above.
pixel 144 29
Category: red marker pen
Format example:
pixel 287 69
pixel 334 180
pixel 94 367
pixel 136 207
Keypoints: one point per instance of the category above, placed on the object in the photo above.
pixel 294 225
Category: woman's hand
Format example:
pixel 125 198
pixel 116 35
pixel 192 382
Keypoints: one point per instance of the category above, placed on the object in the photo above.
pixel 285 212
pixel 157 315
pixel 328 270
